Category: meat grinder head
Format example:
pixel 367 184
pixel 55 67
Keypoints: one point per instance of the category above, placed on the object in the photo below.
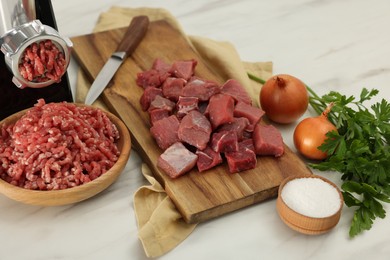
pixel 20 30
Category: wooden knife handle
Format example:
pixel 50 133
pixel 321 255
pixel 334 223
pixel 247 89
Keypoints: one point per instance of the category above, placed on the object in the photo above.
pixel 134 34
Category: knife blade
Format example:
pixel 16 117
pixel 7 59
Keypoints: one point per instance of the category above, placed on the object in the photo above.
pixel 132 37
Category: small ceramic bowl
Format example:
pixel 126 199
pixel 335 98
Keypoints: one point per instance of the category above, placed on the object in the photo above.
pixel 303 223
pixel 74 194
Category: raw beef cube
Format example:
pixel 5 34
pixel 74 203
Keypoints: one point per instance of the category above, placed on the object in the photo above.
pixel 164 131
pixel 207 159
pixel 234 88
pixel 253 114
pixel 148 96
pixel 183 69
pixel 185 105
pixel 238 125
pixel 200 88
pixel 268 140
pixel 195 129
pixel 220 110
pixel 176 160
pixel 155 76
pixel 151 78
pixel 246 144
pixel 173 87
pixel 243 159
pixel 162 102
pixel 161 66
pixel 225 141
pixel 157 114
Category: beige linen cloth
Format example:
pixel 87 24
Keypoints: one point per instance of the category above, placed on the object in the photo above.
pixel 161 227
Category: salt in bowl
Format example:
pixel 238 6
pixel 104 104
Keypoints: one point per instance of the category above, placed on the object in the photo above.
pixel 310 204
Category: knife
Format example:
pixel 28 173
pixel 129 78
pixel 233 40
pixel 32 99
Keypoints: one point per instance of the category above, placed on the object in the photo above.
pixel 133 36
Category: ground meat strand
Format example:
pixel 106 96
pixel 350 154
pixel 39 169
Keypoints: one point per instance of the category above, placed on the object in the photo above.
pixel 41 62
pixel 57 146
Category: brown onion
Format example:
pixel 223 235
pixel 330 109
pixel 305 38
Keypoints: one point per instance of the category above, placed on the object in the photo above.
pixel 311 132
pixel 284 98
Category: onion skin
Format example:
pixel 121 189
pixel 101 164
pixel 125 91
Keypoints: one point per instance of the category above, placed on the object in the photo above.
pixel 310 133
pixel 284 98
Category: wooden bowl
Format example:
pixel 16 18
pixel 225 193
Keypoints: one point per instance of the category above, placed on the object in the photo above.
pixel 74 194
pixel 303 223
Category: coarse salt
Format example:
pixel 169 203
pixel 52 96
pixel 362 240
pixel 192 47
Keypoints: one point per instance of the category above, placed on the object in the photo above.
pixel 311 197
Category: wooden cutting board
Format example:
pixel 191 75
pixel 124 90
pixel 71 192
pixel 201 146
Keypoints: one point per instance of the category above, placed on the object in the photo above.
pixel 198 196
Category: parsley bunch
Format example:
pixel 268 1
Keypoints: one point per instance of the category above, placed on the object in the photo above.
pixel 359 151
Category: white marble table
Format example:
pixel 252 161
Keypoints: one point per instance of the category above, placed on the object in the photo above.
pixel 331 45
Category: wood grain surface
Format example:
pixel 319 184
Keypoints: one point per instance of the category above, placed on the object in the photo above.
pixel 198 196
